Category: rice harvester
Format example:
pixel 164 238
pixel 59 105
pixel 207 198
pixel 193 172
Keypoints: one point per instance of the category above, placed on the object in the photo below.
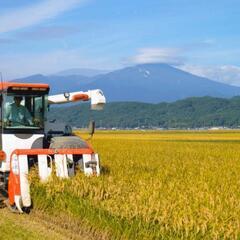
pixel 26 141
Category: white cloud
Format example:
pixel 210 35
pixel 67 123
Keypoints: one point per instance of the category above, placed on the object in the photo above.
pixel 35 14
pixel 228 74
pixel 158 55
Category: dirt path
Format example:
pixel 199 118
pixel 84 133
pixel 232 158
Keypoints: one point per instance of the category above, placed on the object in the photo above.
pixel 37 225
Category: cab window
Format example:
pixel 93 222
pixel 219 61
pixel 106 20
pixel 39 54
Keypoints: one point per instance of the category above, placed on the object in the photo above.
pixel 23 111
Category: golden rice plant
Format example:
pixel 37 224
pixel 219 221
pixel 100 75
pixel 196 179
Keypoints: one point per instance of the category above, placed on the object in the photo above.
pixel 183 184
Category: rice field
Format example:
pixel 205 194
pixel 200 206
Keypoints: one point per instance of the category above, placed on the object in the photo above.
pixel 155 185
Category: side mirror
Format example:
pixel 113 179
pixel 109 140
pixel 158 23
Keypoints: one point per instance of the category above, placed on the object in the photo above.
pixel 91 127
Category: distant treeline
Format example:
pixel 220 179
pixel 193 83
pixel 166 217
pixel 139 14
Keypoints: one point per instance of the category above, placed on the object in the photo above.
pixel 195 112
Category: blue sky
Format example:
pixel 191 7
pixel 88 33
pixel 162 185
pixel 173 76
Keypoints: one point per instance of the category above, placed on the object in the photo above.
pixel 49 36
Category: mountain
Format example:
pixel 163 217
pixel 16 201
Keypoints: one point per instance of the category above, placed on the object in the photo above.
pixel 155 83
pixel 59 84
pixel 188 113
pixel 151 83
pixel 81 71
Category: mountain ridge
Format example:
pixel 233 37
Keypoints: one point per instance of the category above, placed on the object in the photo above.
pixel 88 72
pixel 194 112
pixel 151 83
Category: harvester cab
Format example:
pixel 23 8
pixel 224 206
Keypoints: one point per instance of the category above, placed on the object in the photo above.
pixel 25 142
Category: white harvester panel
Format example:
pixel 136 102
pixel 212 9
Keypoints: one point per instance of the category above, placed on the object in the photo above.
pixel 44 170
pixel 70 165
pixel 24 185
pixel 61 165
pixel 91 164
pixel 10 142
pixel 65 166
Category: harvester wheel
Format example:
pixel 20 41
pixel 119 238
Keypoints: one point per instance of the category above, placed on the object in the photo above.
pixel 26 210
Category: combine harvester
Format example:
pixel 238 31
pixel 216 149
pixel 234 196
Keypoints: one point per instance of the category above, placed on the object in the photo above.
pixel 26 142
